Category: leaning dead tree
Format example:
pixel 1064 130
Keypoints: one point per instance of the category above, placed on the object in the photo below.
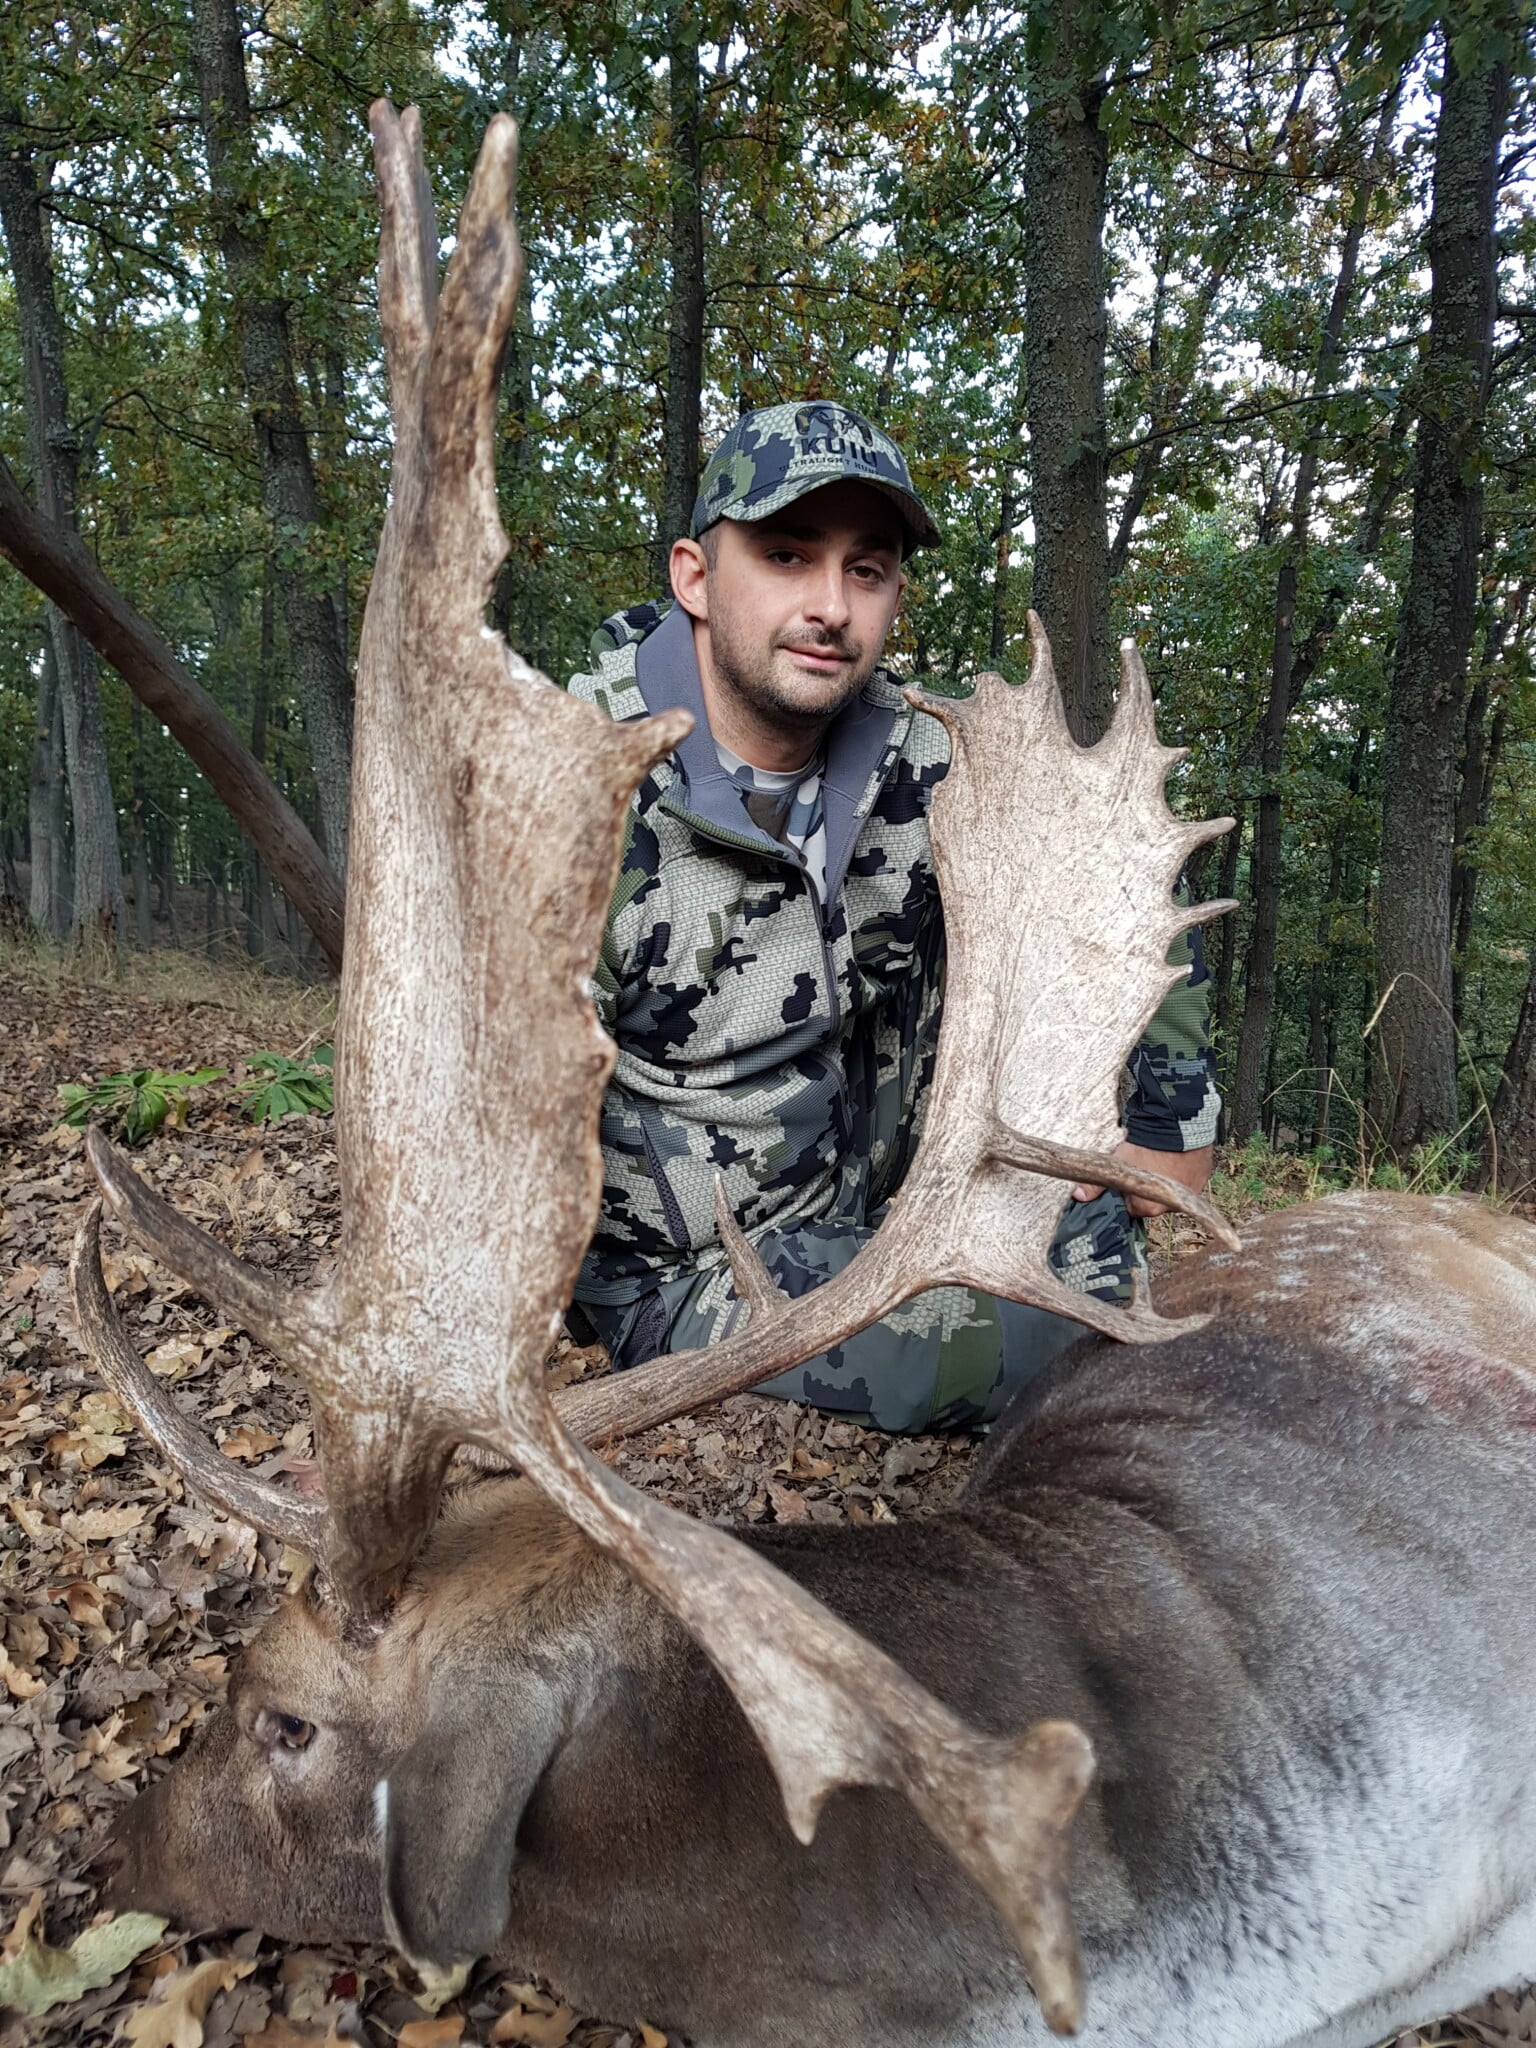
pixel 488 820
pixel 64 569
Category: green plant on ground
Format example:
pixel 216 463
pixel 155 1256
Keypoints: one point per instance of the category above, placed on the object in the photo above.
pixel 1439 1167
pixel 135 1103
pixel 279 1085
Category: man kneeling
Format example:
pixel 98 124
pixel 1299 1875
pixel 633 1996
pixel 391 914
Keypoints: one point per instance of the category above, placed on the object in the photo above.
pixel 773 964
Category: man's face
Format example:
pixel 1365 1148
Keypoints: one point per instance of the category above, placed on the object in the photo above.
pixel 797 606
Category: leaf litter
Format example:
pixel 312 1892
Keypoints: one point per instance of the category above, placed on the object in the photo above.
pixel 124 1601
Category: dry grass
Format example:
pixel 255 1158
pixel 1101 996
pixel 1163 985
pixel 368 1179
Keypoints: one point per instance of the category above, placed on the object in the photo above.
pixel 285 1015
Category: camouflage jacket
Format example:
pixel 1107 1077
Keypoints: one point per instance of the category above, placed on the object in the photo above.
pixel 762 1036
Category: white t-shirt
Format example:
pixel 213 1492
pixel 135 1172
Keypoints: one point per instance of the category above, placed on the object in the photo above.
pixel 787 807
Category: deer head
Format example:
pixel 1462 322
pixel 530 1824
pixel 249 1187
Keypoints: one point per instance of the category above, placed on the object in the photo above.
pixel 488 813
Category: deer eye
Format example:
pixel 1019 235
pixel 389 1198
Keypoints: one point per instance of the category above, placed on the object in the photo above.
pixel 283 1731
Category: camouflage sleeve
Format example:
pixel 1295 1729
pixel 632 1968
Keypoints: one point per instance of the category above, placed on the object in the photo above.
pixel 638 870
pixel 1174 1102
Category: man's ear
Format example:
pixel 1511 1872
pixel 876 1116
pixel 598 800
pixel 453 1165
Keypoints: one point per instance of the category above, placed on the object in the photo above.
pixel 448 1815
pixel 690 574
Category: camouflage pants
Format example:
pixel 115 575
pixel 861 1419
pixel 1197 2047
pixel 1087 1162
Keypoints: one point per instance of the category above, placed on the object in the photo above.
pixel 949 1359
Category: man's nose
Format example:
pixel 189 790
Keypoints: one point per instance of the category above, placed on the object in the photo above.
pixel 826 597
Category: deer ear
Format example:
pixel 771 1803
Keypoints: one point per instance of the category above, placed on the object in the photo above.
pixel 448 1816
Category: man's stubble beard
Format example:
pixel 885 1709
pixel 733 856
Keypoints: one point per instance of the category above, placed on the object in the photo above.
pixel 747 672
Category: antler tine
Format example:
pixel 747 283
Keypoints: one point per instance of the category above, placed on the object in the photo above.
pixel 473 320
pixel 407 246
pixel 293 1520
pixel 285 1322
pixel 754 1284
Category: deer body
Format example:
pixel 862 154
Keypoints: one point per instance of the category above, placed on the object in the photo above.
pixel 1282 1579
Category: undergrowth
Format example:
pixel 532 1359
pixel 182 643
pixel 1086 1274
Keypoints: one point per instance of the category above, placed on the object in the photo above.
pixel 283 1012
pixel 1259 1176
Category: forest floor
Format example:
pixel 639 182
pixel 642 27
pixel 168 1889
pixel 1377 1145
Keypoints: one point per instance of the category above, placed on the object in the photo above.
pixel 123 1600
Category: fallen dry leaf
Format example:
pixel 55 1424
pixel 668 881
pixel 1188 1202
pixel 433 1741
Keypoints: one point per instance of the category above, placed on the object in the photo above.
pixel 439 1986
pixel 432 2033
pixel 286 2033
pixel 102 1525
pixel 83 1602
pixel 550 2029
pixel 32 1519
pixel 22 1282
pixel 249 1441
pixel 21 1685
pixel 175 1358
pixel 175 2018
pixel 787 1504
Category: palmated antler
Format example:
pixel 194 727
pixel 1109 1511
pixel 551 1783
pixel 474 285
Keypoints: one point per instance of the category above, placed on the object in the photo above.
pixel 1056 864
pixel 488 815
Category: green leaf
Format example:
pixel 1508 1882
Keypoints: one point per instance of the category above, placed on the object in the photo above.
pixel 40 1977
pixel 139 1100
pixel 290 1086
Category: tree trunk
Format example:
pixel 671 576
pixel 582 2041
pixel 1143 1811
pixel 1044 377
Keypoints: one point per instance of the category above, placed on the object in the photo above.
pixel 1066 161
pixel 138 839
pixel 97 896
pixel 336 449
pixel 1264 939
pixel 62 569
pixel 1320 981
pixel 13 911
pixel 1226 890
pixel 167 876
pixel 292 501
pixel 685 323
pixel 1414 1073
pixel 1482 745
pixel 1007 513
pixel 47 829
pixel 257 888
pixel 516 448
pixel 1007 519
pixel 1512 1160
pixel 97 906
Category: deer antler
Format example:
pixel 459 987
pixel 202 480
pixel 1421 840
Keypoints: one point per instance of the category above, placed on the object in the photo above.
pixel 465 1223
pixel 1049 988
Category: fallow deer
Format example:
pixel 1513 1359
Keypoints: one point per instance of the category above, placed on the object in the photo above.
pixel 1272 1561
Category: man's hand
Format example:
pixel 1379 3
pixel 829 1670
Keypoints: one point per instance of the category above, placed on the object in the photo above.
pixel 1189 1169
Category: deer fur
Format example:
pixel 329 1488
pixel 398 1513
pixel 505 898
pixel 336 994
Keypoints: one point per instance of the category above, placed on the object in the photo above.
pixel 1281 1571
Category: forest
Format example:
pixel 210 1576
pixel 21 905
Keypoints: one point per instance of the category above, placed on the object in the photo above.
pixel 1210 324
pixel 1206 324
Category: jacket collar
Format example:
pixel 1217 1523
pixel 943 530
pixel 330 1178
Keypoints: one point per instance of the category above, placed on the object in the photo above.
pixel 861 745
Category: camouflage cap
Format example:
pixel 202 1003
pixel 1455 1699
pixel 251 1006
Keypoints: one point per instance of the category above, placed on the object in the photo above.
pixel 777 454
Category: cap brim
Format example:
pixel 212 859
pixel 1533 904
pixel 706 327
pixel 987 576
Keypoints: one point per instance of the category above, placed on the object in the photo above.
pixel 920 529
